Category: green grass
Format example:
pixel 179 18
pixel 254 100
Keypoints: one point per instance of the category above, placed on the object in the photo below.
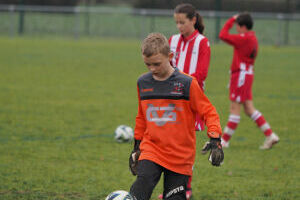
pixel 60 101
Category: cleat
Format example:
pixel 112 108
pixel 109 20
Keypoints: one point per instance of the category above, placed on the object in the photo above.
pixel 270 141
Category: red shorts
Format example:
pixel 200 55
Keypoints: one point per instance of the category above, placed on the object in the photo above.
pixel 240 88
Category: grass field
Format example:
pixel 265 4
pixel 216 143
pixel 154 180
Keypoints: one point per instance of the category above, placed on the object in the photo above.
pixel 60 101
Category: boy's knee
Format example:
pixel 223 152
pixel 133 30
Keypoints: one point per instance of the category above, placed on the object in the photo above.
pixel 235 108
pixel 248 112
pixel 142 188
pixel 249 108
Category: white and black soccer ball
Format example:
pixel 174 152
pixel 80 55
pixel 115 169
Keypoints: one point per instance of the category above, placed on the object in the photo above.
pixel 119 195
pixel 123 133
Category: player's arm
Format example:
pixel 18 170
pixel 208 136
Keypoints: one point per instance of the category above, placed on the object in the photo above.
pixel 170 39
pixel 203 62
pixel 201 104
pixel 140 122
pixel 140 126
pixel 232 39
pixel 208 113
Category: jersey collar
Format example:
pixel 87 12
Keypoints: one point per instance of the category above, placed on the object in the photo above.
pixel 194 34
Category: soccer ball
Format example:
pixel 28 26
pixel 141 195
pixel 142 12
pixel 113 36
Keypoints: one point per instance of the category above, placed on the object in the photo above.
pixel 119 195
pixel 123 133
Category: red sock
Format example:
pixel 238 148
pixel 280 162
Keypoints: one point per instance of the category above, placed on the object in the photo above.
pixel 261 123
pixel 232 124
pixel 189 185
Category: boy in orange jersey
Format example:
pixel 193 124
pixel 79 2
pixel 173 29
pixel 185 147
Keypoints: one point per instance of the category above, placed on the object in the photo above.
pixel 165 139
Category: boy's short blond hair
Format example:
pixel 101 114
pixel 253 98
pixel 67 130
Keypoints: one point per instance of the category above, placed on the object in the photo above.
pixel 155 43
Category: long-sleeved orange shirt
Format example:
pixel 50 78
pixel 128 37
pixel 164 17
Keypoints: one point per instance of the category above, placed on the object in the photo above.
pixel 166 120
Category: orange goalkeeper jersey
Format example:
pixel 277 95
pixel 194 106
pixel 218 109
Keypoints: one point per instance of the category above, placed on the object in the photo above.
pixel 166 120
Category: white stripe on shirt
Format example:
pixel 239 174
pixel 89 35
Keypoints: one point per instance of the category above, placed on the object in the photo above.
pixel 173 47
pixel 195 53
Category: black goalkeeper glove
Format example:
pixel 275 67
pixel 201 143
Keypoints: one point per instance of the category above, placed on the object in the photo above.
pixel 216 155
pixel 134 157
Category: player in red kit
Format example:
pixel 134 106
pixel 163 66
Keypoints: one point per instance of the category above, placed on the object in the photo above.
pixel 191 48
pixel 242 73
pixel 191 51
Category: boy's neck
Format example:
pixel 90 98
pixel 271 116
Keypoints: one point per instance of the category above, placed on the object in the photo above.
pixel 164 76
pixel 244 30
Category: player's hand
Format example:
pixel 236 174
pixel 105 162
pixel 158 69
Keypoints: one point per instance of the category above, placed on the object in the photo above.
pixel 134 157
pixel 133 161
pixel 216 155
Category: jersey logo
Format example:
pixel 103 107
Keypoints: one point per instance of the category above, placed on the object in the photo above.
pixel 168 114
pixel 178 88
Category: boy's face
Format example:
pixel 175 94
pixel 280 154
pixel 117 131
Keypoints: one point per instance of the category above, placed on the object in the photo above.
pixel 238 28
pixel 241 29
pixel 158 64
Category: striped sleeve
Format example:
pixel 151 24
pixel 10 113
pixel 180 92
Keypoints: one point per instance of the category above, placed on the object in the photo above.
pixel 173 42
pixel 203 62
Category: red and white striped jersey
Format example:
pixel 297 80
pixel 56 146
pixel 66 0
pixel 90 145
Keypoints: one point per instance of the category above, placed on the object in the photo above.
pixel 191 55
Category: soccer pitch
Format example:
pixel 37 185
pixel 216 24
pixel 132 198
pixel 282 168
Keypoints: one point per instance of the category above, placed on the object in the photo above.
pixel 61 100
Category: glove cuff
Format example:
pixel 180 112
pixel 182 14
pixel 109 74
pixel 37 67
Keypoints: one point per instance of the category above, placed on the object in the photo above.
pixel 213 135
pixel 215 139
pixel 215 143
pixel 136 145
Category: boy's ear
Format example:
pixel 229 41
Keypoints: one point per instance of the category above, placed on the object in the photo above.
pixel 171 54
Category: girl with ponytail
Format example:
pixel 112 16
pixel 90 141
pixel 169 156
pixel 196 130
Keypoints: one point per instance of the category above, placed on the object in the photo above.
pixel 191 53
pixel 190 47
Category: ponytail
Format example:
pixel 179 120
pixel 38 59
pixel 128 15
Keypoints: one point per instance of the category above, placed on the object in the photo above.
pixel 199 23
pixel 191 12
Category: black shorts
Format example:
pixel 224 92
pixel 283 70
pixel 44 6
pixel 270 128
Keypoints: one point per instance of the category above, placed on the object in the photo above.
pixel 148 175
